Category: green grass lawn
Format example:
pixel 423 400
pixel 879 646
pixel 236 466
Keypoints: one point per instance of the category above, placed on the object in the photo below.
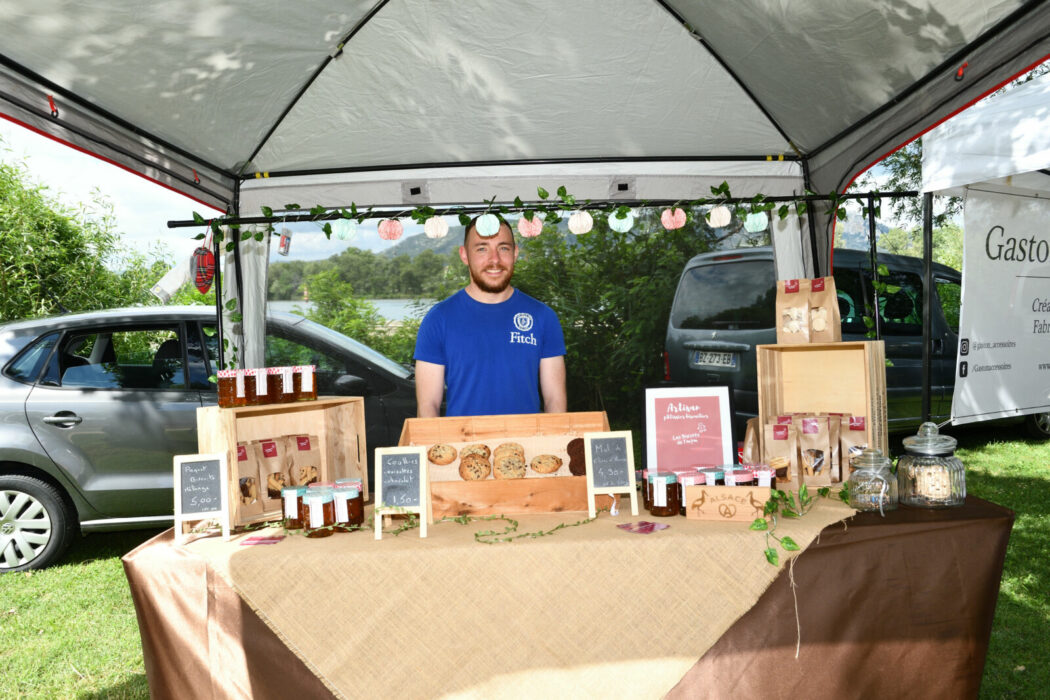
pixel 70 631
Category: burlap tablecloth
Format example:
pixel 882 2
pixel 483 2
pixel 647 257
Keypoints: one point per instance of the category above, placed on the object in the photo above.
pixel 592 609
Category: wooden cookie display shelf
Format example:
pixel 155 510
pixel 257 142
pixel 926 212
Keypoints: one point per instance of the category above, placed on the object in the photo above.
pixel 846 377
pixel 541 433
pixel 338 423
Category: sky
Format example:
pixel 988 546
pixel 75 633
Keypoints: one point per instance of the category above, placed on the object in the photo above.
pixel 141 207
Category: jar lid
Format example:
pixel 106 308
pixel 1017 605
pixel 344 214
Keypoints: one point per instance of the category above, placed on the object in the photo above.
pixel 293 490
pixel 714 472
pixel 666 477
pixel 347 490
pixel 929 441
pixel 871 458
pixel 320 485
pixel 324 495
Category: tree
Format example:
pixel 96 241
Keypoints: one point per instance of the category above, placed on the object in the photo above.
pixel 56 259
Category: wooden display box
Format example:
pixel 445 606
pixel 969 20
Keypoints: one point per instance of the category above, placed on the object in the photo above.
pixel 338 423
pixel 848 377
pixel 540 433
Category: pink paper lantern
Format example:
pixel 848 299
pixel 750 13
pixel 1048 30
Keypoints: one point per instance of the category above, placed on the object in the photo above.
pixel 390 229
pixel 673 218
pixel 530 229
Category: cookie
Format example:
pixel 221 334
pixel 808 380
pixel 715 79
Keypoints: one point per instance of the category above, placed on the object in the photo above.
pixel 441 454
pixel 307 475
pixel 509 448
pixel 545 464
pixel 274 484
pixel 475 449
pixel 509 466
pixel 577 459
pixel 474 468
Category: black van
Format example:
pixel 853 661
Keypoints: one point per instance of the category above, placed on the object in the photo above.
pixel 725 306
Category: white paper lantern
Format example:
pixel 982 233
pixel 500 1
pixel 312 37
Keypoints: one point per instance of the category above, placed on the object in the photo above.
pixel 345 229
pixel 580 222
pixel 719 217
pixel 621 225
pixel 756 221
pixel 436 227
pixel 487 225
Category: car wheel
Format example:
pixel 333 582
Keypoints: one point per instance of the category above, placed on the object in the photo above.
pixel 1037 425
pixel 35 523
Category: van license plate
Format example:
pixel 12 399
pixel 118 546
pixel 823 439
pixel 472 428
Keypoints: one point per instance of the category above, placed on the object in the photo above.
pixel 714 359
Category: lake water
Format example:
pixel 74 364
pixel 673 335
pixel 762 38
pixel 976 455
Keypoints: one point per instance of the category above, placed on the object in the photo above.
pixel 390 309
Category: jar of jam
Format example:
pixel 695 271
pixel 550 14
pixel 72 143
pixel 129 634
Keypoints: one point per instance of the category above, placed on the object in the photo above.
pixel 350 481
pixel 666 494
pixel 306 384
pixel 320 512
pixel 240 390
pixel 713 476
pixel 765 476
pixel 273 384
pixel 646 492
pixel 260 388
pixel 694 479
pixel 292 496
pixel 287 384
pixel 227 387
pixel 739 477
pixel 349 508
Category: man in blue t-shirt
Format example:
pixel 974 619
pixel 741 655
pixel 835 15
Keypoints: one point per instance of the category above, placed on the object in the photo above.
pixel 495 347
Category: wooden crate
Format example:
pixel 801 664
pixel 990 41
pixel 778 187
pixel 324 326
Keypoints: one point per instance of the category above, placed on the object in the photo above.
pixel 539 433
pixel 338 423
pixel 848 377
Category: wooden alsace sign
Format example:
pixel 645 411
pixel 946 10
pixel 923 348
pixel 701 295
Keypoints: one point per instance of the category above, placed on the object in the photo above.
pixel 740 504
pixel 610 467
pixel 202 492
pixel 402 485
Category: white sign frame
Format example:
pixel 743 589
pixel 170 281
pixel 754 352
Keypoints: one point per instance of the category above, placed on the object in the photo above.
pixel 719 392
pixel 222 515
pixel 632 484
pixel 424 508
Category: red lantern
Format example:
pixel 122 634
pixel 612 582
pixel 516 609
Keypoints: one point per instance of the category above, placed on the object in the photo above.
pixel 390 229
pixel 672 218
pixel 203 265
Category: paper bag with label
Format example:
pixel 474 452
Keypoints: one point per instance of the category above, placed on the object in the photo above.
pixel 792 312
pixel 815 451
pixel 853 438
pixel 273 460
pixel 752 448
pixel 305 455
pixel 780 446
pixel 249 499
pixel 825 321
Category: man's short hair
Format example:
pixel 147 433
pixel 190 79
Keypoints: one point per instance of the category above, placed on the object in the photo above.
pixel 474 224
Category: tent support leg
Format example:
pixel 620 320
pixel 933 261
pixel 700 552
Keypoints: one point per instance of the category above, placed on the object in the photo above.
pixel 876 316
pixel 927 299
pixel 218 301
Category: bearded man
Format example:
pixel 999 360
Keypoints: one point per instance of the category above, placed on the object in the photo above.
pixel 495 347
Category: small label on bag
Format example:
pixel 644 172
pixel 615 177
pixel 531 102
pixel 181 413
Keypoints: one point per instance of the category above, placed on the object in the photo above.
pixel 791 286
pixel 817 285
pixel 302 442
pixel 269 449
pixel 780 432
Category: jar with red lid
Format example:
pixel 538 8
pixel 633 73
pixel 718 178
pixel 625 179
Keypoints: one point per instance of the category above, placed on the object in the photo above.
pixel 306 383
pixel 713 476
pixel 349 508
pixel 286 384
pixel 227 386
pixel 665 494
pixel 240 392
pixel 765 475
pixel 292 497
pixel 320 512
pixel 260 388
pixel 686 480
pixel 739 477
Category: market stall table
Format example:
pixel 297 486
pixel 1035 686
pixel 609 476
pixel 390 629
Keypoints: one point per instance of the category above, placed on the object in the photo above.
pixel 883 605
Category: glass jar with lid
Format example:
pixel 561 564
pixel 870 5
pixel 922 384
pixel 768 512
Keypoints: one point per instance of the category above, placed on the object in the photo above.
pixel 664 494
pixel 930 475
pixel 872 485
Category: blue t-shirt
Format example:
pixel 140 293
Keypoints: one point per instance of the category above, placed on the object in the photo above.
pixel 491 352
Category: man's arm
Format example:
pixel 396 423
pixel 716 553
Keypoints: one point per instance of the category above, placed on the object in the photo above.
pixel 430 387
pixel 552 384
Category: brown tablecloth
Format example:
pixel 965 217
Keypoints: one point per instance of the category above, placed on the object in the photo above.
pixel 884 606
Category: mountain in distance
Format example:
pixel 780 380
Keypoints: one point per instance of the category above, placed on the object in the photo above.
pixel 853 232
pixel 414 245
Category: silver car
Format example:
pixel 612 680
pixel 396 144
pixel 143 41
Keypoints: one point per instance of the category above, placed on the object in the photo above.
pixel 93 407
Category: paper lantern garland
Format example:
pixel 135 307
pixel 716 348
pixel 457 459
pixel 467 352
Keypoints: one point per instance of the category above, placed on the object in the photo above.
pixel 390 229
pixel 487 225
pixel 345 229
pixel 719 217
pixel 621 225
pixel 436 227
pixel 530 229
pixel 756 221
pixel 580 222
pixel 673 218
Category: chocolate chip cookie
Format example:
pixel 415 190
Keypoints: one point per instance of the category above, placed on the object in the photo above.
pixel 509 466
pixel 441 454
pixel 545 464
pixel 474 468
pixel 475 449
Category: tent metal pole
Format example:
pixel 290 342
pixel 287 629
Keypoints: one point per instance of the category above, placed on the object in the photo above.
pixel 874 266
pixel 927 299
pixel 218 300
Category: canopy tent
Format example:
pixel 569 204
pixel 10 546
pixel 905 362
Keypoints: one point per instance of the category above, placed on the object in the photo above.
pixel 997 155
pixel 407 102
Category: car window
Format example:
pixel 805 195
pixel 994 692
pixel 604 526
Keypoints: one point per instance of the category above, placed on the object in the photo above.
pixel 730 295
pixel 950 294
pixel 900 308
pixel 851 299
pixel 146 357
pixel 26 367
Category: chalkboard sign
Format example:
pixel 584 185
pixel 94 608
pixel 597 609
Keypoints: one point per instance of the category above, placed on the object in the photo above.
pixel 402 485
pixel 201 491
pixel 610 466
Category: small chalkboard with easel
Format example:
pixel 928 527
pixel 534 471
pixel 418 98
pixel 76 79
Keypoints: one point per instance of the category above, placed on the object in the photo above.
pixel 202 492
pixel 610 467
pixel 402 485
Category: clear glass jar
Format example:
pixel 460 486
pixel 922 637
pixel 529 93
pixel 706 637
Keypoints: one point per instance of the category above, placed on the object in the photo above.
pixel 664 493
pixel 320 512
pixel 292 497
pixel 930 475
pixel 872 485
pixel 349 508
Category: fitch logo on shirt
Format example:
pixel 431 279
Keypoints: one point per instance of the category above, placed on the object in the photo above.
pixel 523 322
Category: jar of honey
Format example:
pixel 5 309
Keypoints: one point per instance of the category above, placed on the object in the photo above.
pixel 349 508
pixel 320 512
pixel 286 384
pixel 240 389
pixel 306 382
pixel 292 496
pixel 665 494
pixel 260 395
pixel 227 387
